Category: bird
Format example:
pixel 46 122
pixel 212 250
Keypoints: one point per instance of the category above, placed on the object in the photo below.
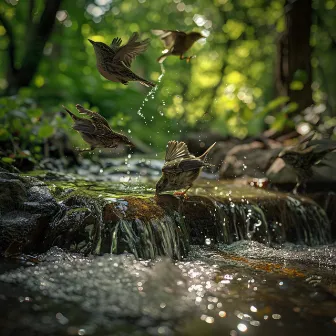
pixel 177 42
pixel 114 61
pixel 96 131
pixel 302 157
pixel 181 168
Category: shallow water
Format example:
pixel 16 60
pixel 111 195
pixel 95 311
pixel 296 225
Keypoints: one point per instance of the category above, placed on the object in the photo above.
pixel 245 288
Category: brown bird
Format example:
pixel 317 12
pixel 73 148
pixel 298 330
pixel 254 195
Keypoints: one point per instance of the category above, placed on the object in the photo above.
pixel 114 61
pixel 177 42
pixel 96 131
pixel 181 168
pixel 302 157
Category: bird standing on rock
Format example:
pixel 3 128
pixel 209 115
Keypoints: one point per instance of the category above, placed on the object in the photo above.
pixel 96 131
pixel 302 158
pixel 177 42
pixel 181 168
pixel 114 61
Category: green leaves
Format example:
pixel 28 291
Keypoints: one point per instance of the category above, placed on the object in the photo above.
pixel 45 131
pixel 7 160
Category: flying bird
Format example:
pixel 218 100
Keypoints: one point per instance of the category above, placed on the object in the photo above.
pixel 96 131
pixel 177 42
pixel 114 61
pixel 181 168
pixel 302 157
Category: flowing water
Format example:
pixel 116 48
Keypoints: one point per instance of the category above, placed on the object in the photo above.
pixel 246 288
pixel 229 260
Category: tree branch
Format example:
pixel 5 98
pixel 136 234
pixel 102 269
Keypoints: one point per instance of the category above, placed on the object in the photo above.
pixel 11 42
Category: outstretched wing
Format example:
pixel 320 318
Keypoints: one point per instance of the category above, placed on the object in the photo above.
pixel 131 49
pixel 176 150
pixel 183 166
pixel 116 43
pixel 94 115
pixel 303 143
pixel 168 36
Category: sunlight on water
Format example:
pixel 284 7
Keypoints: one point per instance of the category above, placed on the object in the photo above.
pixel 209 291
pixel 151 94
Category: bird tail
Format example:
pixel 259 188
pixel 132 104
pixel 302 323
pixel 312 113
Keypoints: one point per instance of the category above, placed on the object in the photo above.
pixel 204 155
pixel 146 83
pixel 73 116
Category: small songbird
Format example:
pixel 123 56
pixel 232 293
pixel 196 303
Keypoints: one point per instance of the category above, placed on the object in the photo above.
pixel 181 168
pixel 96 131
pixel 114 61
pixel 177 42
pixel 302 157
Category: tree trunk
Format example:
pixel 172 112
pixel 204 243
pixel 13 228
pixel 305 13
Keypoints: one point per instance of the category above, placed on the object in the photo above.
pixel 39 33
pixel 294 72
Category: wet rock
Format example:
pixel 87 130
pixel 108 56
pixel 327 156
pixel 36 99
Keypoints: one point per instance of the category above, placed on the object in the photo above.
pixel 98 218
pixel 27 208
pixel 251 160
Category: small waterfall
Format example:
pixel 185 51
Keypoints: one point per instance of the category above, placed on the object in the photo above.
pixel 166 225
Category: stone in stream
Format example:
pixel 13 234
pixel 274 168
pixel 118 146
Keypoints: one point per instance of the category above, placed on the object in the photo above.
pixel 98 217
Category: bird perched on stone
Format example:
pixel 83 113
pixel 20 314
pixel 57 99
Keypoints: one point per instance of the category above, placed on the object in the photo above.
pixel 114 61
pixel 181 168
pixel 302 157
pixel 177 42
pixel 96 131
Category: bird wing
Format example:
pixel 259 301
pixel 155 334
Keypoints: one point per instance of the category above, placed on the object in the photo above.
pixel 115 45
pixel 303 143
pixel 183 165
pixel 92 115
pixel 168 36
pixel 176 150
pixel 85 126
pixel 131 49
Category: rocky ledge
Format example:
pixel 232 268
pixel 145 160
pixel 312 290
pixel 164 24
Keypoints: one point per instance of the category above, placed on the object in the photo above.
pixel 100 217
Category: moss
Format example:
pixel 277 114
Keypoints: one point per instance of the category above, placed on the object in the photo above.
pixel 133 208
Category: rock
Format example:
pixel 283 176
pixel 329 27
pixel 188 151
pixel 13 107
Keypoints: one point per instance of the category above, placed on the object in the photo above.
pixel 26 210
pixel 251 160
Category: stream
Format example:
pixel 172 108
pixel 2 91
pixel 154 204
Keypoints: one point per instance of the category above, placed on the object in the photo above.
pixel 229 260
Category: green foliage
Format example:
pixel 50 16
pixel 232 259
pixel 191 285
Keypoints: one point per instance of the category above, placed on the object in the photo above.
pixel 24 129
pixel 229 87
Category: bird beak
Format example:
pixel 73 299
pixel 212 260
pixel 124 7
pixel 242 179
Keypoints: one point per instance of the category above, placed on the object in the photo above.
pixel 92 42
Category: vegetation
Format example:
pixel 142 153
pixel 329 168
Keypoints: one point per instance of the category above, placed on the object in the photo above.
pixel 251 73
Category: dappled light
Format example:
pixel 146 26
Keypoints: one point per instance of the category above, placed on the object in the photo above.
pixel 167 167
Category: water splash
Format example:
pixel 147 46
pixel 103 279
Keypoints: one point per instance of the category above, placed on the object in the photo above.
pixel 151 94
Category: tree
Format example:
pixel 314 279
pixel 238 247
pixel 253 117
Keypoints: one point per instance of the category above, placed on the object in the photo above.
pixel 294 71
pixel 37 34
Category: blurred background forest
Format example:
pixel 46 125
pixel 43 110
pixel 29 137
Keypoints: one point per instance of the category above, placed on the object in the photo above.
pixel 264 66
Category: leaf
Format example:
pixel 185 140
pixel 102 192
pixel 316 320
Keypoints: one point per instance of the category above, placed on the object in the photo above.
pixel 45 131
pixel 296 85
pixel 7 160
pixel 277 102
pixel 289 108
pixel 35 113
pixel 4 134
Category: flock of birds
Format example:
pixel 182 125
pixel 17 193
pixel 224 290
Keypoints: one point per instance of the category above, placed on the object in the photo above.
pixel 181 168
